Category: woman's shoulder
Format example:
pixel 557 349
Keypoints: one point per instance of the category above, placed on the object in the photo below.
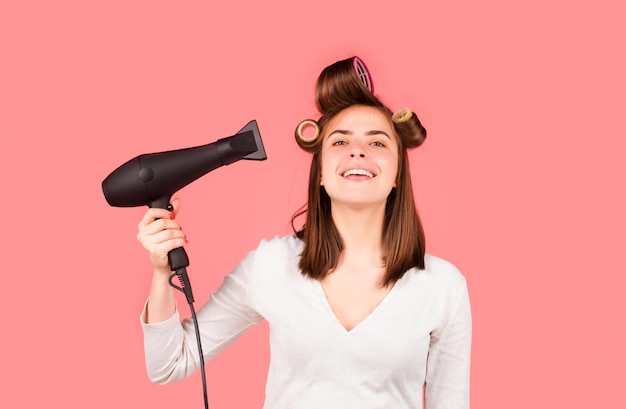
pixel 287 243
pixel 440 271
pixel 286 247
pixel 274 263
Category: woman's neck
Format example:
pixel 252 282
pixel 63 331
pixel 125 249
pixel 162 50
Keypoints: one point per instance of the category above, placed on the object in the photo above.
pixel 361 231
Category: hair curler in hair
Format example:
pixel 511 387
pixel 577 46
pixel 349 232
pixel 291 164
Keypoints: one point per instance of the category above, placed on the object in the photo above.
pixel 363 73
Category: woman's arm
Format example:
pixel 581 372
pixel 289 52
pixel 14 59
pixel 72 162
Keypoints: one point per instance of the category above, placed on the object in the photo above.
pixel 170 345
pixel 448 366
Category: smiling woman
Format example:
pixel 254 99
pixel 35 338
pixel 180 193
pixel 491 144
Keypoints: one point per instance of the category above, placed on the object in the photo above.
pixel 361 146
pixel 359 315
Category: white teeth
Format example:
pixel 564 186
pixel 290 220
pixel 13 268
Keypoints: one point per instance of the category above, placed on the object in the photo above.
pixel 361 172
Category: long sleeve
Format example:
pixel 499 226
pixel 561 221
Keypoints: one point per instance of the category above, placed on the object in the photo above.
pixel 448 365
pixel 170 346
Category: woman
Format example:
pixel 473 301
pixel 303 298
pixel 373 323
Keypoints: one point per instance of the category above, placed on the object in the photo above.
pixel 359 315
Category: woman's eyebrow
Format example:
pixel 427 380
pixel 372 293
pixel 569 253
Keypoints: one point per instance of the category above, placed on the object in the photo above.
pixel 378 132
pixel 369 133
pixel 340 131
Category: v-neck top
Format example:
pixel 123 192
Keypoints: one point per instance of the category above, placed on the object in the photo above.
pixel 331 312
pixel 419 334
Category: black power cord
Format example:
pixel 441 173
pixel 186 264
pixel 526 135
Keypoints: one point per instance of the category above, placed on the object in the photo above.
pixel 178 261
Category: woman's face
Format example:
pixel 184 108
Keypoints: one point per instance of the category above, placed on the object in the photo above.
pixel 359 158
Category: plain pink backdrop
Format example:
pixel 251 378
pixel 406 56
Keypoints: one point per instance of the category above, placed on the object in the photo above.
pixel 520 182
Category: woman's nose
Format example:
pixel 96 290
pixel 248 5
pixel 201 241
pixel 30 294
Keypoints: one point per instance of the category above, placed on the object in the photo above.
pixel 357 150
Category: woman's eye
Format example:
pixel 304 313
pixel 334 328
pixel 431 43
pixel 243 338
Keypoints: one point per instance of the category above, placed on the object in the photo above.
pixel 336 143
pixel 377 143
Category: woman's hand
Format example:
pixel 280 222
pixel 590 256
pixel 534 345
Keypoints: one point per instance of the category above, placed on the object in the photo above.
pixel 158 233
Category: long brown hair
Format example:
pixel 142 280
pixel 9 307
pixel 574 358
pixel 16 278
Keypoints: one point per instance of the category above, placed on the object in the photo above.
pixel 339 87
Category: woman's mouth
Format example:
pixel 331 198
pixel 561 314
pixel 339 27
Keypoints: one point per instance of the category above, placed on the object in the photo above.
pixel 358 172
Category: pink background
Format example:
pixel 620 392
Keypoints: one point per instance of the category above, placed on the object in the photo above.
pixel 520 182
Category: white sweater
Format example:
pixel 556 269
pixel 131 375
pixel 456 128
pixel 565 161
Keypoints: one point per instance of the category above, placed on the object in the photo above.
pixel 420 334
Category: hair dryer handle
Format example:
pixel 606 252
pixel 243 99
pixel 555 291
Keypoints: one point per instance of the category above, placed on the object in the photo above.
pixel 178 259
pixel 162 202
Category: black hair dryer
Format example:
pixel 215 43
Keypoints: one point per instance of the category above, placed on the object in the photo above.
pixel 151 179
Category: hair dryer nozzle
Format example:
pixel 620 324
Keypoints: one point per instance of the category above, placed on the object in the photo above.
pixel 259 154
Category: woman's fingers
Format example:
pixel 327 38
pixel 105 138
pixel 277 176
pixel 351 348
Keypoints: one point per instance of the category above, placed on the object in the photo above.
pixel 157 225
pixel 159 233
pixel 162 243
pixel 154 214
